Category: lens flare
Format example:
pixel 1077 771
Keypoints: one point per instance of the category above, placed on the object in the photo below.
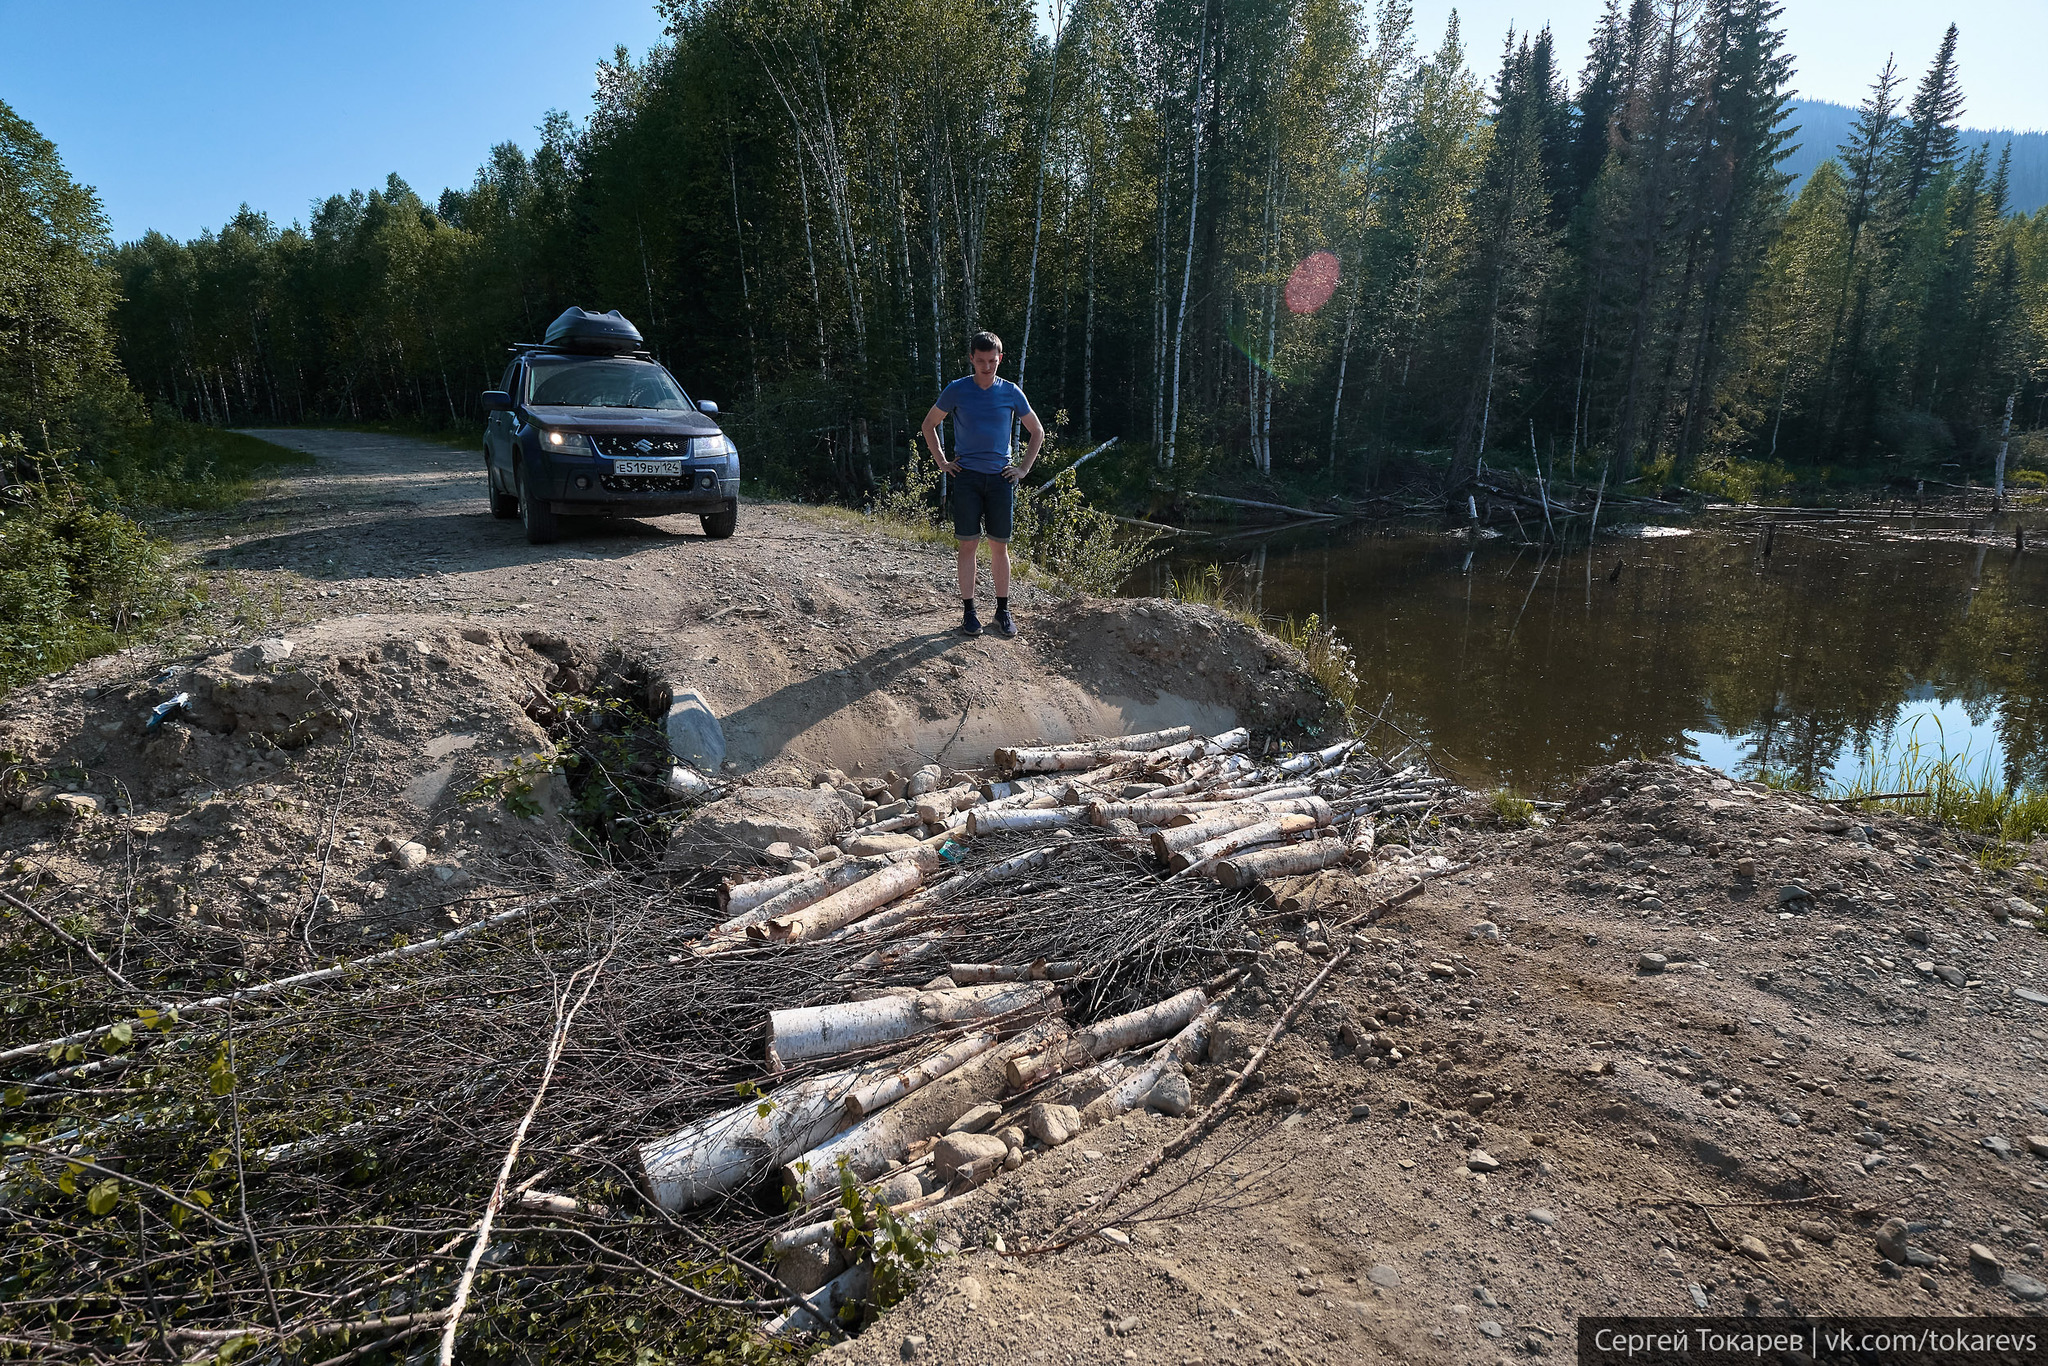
pixel 1313 282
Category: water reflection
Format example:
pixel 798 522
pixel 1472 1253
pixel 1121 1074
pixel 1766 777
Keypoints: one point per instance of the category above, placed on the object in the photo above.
pixel 1526 667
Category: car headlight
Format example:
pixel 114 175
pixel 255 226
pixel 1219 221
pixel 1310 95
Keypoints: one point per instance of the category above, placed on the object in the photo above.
pixel 567 442
pixel 718 447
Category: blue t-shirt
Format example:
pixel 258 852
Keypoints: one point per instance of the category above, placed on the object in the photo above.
pixel 981 421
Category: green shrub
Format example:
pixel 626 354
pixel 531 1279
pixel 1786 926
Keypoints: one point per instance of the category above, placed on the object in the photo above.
pixel 1080 549
pixel 74 581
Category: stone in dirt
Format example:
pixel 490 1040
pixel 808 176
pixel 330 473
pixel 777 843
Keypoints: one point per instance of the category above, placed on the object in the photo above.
pixel 1384 1276
pixel 1172 1095
pixel 1753 1247
pixel 756 817
pixel 1051 1124
pixel 977 1119
pixel 2037 1144
pixel 957 1152
pixel 1480 1160
pixel 1652 962
pixel 2024 1287
pixel 409 855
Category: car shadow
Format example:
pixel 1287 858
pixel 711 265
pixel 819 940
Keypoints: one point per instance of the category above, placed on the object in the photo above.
pixel 483 541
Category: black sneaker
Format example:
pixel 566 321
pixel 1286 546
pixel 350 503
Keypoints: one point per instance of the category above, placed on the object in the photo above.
pixel 1005 624
pixel 970 624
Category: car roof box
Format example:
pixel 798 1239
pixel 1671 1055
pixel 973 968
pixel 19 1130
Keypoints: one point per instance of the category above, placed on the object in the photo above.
pixel 597 334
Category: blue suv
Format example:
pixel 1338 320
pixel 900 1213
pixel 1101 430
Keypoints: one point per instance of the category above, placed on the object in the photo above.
pixel 587 422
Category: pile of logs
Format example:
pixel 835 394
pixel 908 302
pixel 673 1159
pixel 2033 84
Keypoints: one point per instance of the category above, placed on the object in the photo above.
pixel 925 1093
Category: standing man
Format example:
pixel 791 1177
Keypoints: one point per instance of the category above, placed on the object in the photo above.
pixel 984 479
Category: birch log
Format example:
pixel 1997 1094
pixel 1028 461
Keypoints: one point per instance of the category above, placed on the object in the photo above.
pixel 1062 760
pixel 1249 869
pixel 1143 811
pixel 1265 832
pixel 845 906
pixel 806 1032
pixel 981 822
pixel 1105 1037
pixel 934 809
pixel 1167 843
pixel 871 1145
pixel 1315 759
pixel 872 1095
pixel 1007 759
pixel 739 1146
pixel 1130 1091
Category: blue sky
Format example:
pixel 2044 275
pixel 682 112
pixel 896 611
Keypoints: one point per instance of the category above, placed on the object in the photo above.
pixel 178 112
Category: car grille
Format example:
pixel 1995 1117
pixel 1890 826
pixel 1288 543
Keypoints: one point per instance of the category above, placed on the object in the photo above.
pixel 627 447
pixel 700 481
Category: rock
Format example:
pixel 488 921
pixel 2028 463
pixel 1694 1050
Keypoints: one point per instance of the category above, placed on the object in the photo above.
pixel 976 1120
pixel 2024 1287
pixel 1012 1135
pixel 695 737
pixel 961 1154
pixel 2024 909
pixel 1051 1124
pixel 1870 1138
pixel 408 855
pixel 2001 1146
pixel 1745 868
pixel 1951 975
pixel 1792 892
pixel 1485 1297
pixel 924 780
pixel 1893 1247
pixel 1130 1323
pixel 1752 1247
pixel 1486 930
pixel 1480 1160
pixel 263 653
pixel 912 1346
pixel 897 1189
pixel 1651 904
pixel 1490 1328
pixel 1172 1095
pixel 1543 1217
pixel 1231 1043
pixel 1985 1262
pixel 2037 1144
pixel 1384 1276
pixel 1442 970
pixel 1362 1110
pixel 753 818
pixel 1117 1236
pixel 1699 1296
pixel 78 806
pixel 1790 1118
pixel 1652 962
pixel 1918 935
pixel 782 851
pixel 1818 1231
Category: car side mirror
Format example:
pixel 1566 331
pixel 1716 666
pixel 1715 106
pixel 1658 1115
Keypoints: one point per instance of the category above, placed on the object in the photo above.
pixel 707 407
pixel 497 401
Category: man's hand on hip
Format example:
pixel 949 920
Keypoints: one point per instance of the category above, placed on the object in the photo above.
pixel 1015 473
pixel 949 466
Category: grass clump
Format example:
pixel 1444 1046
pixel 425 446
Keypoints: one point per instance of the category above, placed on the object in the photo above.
pixel 1956 790
pixel 1510 807
pixel 1329 660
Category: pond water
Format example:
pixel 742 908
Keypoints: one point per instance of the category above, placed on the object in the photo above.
pixel 1526 668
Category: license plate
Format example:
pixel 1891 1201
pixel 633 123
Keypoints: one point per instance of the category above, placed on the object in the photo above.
pixel 668 468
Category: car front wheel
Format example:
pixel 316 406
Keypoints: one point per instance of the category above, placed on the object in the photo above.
pixel 719 525
pixel 541 524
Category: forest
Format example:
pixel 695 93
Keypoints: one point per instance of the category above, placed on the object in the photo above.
pixel 1297 244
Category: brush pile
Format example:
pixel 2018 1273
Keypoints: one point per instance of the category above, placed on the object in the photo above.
pixel 698 1109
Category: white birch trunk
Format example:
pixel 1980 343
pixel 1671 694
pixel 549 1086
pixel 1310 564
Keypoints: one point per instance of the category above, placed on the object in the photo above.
pixel 843 907
pixel 981 822
pixel 1249 869
pixel 874 1095
pixel 870 1146
pixel 807 1032
pixel 737 1147
pixel 1265 832
pixel 1167 843
pixel 1130 1091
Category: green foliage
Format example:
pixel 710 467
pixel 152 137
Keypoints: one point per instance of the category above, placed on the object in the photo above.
pixel 1510 807
pixel 75 581
pixel 1080 549
pixel 868 1231
pixel 1329 660
pixel 1960 792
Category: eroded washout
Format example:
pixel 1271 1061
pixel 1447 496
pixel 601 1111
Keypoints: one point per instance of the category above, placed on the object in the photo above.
pixel 1089 997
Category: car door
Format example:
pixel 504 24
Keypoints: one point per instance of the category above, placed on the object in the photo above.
pixel 498 437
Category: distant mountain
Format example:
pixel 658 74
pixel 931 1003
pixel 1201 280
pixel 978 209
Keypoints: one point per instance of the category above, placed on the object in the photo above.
pixel 1823 127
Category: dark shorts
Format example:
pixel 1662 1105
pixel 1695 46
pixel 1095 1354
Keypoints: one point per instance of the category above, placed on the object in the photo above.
pixel 979 500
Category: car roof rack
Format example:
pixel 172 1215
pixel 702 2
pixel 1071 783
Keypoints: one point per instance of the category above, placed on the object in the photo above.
pixel 522 348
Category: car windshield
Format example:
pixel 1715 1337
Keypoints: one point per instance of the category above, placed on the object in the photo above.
pixel 570 382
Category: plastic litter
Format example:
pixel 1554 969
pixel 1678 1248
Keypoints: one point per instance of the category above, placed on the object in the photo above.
pixel 952 852
pixel 684 781
pixel 163 709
